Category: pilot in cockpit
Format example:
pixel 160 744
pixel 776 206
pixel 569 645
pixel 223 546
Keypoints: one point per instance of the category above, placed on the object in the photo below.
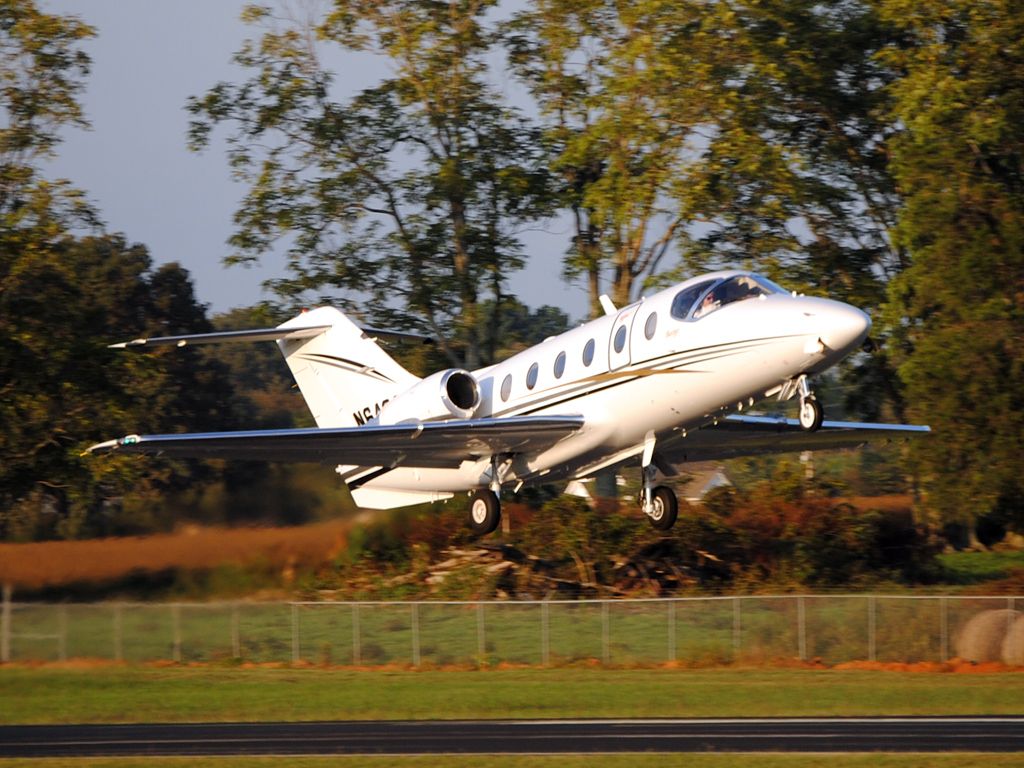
pixel 710 303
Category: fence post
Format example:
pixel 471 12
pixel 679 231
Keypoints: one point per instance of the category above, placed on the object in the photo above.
pixel 801 628
pixel 176 625
pixel 236 632
pixel 671 630
pixel 545 640
pixel 944 628
pixel 872 628
pixel 5 626
pixel 481 637
pixel 736 628
pixel 296 653
pixel 606 632
pixel 415 634
pixel 356 650
pixel 62 633
pixel 118 633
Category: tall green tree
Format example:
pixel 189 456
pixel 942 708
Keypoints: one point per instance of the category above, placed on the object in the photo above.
pixel 597 71
pixel 410 192
pixel 960 305
pixel 740 133
pixel 63 297
pixel 727 134
pixel 42 71
pixel 61 388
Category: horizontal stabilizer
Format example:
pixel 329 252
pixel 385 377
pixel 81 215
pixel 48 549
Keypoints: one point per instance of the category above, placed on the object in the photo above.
pixel 258 334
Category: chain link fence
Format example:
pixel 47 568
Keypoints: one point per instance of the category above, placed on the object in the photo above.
pixel 704 630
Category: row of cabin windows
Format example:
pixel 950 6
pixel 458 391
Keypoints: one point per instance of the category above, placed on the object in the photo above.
pixel 588 357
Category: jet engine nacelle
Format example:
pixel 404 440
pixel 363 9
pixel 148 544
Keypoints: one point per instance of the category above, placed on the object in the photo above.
pixel 451 394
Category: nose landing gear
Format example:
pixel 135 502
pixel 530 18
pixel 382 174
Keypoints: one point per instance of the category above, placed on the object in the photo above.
pixel 811 412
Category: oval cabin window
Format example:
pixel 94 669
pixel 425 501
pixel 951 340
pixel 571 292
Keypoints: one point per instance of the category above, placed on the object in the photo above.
pixel 506 388
pixel 588 353
pixel 560 365
pixel 531 376
pixel 620 338
pixel 651 326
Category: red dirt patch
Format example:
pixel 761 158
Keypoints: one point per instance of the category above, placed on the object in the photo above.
pixel 59 563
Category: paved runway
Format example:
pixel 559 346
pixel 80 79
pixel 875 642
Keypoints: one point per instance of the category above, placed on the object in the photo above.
pixel 904 734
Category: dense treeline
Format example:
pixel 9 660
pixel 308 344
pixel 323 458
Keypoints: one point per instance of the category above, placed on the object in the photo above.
pixel 867 150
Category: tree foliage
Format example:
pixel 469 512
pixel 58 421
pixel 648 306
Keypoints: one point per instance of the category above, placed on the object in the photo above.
pixel 63 297
pixel 411 191
pixel 729 134
pixel 959 306
pixel 61 388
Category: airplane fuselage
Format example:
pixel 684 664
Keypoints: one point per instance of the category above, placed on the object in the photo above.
pixel 660 367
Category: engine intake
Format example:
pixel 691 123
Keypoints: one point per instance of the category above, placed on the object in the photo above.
pixel 444 395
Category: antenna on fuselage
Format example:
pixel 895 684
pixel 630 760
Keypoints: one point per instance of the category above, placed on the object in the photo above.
pixel 606 304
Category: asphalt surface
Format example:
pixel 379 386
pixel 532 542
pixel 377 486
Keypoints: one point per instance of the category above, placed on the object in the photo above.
pixel 904 734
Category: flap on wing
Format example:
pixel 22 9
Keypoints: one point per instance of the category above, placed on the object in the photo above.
pixel 738 435
pixel 416 444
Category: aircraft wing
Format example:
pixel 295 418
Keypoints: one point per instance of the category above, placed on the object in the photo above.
pixel 738 435
pixel 418 444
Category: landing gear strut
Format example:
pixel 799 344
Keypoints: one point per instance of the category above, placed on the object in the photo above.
pixel 811 412
pixel 658 502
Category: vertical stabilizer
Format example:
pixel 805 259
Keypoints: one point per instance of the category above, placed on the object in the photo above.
pixel 344 375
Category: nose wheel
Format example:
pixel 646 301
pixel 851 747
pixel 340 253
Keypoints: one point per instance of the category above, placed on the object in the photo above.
pixel 811 412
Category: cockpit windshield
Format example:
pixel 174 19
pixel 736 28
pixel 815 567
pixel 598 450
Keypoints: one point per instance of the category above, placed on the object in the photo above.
pixel 686 298
pixel 706 296
pixel 730 291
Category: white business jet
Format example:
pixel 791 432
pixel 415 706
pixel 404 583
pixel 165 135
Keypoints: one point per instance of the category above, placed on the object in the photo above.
pixel 661 382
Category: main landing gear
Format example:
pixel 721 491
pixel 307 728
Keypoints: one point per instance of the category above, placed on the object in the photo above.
pixel 484 511
pixel 485 505
pixel 658 502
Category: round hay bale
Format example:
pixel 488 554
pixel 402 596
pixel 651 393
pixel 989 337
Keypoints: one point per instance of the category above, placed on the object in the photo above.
pixel 981 638
pixel 1013 643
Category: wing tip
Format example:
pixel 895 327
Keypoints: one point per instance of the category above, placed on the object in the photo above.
pixel 109 446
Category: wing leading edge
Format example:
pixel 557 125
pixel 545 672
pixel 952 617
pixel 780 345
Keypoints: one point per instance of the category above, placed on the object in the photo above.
pixel 436 444
pixel 738 435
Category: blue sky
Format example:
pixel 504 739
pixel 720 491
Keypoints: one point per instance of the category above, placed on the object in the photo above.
pixel 148 58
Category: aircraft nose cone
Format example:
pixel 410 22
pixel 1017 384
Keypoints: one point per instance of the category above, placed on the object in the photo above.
pixel 846 327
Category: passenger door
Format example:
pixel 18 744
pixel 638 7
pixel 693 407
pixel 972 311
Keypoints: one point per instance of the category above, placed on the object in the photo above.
pixel 618 342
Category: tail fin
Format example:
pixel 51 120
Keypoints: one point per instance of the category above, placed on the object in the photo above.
pixel 344 376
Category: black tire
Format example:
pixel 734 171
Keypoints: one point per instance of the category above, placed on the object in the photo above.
pixel 811 415
pixel 484 512
pixel 665 508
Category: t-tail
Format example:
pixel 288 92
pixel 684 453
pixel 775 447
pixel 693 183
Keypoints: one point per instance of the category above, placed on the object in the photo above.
pixel 344 375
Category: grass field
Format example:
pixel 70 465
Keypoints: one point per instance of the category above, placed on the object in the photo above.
pixel 545 761
pixel 141 694
pixel 981 567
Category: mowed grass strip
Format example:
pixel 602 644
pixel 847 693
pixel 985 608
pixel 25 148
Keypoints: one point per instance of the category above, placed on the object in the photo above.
pixel 874 760
pixel 142 694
